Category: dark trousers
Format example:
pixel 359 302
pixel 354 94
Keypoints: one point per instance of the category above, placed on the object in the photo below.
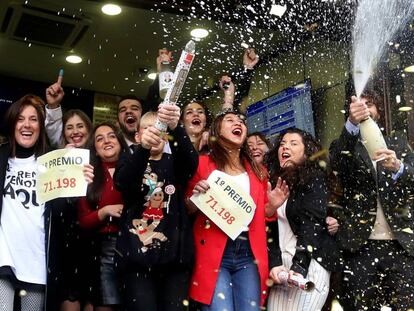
pixel 156 289
pixel 380 273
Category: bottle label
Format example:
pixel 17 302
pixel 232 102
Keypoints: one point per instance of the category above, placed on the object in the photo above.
pixel 371 136
pixel 166 81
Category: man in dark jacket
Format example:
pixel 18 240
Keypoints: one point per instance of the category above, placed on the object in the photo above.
pixel 377 224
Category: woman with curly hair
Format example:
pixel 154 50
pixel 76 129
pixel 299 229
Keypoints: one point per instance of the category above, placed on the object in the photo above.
pixel 305 246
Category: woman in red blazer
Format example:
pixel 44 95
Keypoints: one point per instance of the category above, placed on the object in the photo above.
pixel 231 275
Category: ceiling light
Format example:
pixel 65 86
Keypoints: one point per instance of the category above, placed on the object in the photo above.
pixel 74 59
pixel 101 108
pixel 409 68
pixel 405 109
pixel 111 9
pixel 152 75
pixel 278 9
pixel 199 33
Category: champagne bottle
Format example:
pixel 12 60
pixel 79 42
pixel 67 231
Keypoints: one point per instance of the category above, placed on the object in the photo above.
pixel 165 78
pixel 371 136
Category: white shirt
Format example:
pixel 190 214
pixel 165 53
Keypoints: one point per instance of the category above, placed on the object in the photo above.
pixel 244 182
pixel 54 125
pixel 22 232
pixel 287 239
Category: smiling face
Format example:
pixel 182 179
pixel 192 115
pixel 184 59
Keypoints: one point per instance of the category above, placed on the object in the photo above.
pixel 194 119
pixel 129 114
pixel 76 131
pixel 233 129
pixel 257 148
pixel 107 145
pixel 291 150
pixel 27 129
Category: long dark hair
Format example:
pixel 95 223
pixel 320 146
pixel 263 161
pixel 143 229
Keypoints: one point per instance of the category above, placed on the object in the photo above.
pixel 220 154
pixel 298 175
pixel 83 116
pixel 207 112
pixel 12 115
pixel 95 189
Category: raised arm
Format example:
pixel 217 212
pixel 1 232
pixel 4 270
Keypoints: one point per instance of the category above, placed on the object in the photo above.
pixel 53 120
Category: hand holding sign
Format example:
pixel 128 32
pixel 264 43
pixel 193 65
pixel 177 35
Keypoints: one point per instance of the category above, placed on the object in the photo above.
pixel 225 203
pixel 88 173
pixel 201 187
pixel 54 93
pixel 63 173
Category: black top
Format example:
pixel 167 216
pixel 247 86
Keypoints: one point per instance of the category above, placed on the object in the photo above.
pixel 155 229
pixel 306 213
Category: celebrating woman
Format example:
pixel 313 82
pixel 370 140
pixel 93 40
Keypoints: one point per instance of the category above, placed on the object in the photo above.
pixel 27 241
pixel 100 210
pixel 72 287
pixel 305 247
pixel 231 274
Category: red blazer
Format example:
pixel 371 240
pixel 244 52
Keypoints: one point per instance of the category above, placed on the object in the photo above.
pixel 210 241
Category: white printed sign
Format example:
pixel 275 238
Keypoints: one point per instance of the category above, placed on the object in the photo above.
pixel 60 174
pixel 226 204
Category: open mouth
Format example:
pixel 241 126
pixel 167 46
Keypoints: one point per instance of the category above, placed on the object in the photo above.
pixel 108 148
pixel 196 122
pixel 285 155
pixel 77 139
pixel 26 134
pixel 237 132
pixel 256 154
pixel 130 120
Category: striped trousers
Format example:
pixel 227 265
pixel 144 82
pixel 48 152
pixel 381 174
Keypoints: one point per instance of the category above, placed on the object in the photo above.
pixel 286 298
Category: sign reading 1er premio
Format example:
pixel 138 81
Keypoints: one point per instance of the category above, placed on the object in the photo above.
pixel 60 174
pixel 226 204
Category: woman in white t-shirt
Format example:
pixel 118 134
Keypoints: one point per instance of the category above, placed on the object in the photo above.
pixel 25 229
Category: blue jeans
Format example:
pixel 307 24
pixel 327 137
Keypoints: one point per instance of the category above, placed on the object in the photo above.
pixel 238 283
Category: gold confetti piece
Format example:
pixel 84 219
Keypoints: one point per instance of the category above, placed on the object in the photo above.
pixel 322 164
pixel 407 230
pixel 318 154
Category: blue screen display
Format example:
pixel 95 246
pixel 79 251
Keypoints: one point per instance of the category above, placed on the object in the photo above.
pixel 289 108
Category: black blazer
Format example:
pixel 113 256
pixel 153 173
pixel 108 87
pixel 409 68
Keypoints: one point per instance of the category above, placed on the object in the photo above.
pixel 362 184
pixel 306 213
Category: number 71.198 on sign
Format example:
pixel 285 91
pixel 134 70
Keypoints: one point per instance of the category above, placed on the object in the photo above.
pixel 59 183
pixel 220 210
